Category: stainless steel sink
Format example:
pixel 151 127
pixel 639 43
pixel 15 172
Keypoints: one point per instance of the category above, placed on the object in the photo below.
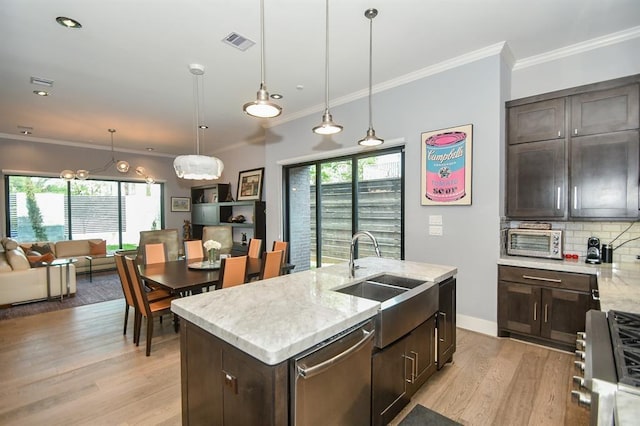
pixel 405 304
pixel 373 291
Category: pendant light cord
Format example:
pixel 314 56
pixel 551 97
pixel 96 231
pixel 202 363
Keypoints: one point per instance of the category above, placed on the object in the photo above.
pixel 262 77
pixel 370 69
pixel 326 59
pixel 196 112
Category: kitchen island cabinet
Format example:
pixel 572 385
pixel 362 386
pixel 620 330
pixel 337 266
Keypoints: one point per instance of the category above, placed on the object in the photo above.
pixel 238 342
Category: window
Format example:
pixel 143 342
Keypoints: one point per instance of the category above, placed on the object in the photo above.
pixel 328 201
pixel 51 209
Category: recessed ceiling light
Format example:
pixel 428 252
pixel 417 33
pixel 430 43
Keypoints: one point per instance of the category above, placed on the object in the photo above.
pixel 276 96
pixel 25 130
pixel 203 126
pixel 149 149
pixel 41 92
pixel 68 22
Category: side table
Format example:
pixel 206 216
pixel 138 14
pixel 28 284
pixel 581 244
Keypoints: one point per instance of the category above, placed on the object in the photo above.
pixel 60 263
pixel 90 259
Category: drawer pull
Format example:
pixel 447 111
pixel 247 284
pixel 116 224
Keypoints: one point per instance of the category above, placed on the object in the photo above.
pixel 551 280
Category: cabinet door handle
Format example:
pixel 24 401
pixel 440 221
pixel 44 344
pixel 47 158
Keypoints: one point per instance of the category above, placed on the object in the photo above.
pixel 575 197
pixel 416 366
pixel 559 132
pixel 558 202
pixel 546 309
pixel 535 311
pixel 413 368
pixel 575 131
pixel 551 280
pixel 444 328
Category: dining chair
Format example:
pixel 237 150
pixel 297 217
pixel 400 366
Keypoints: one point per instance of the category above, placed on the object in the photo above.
pixel 193 249
pixel 154 253
pixel 170 239
pixel 281 245
pixel 271 264
pixel 130 301
pixel 233 271
pixel 148 309
pixel 255 245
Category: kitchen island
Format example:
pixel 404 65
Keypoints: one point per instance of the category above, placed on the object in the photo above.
pixel 255 329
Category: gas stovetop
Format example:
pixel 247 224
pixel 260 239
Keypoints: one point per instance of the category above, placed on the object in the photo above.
pixel 625 337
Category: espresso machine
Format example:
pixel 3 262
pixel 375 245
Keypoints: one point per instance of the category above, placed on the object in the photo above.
pixel 593 250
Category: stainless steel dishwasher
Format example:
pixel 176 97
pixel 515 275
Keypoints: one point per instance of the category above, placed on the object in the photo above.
pixel 331 382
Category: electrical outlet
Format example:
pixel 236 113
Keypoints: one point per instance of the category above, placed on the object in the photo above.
pixel 435 230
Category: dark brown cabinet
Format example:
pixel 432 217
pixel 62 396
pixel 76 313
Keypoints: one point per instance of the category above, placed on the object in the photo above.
pixel 536 179
pixel 400 369
pixel 604 175
pixel 446 322
pixel 574 153
pixel 547 307
pixel 222 385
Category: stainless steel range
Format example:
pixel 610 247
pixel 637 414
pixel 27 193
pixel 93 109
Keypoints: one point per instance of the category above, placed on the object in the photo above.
pixel 609 357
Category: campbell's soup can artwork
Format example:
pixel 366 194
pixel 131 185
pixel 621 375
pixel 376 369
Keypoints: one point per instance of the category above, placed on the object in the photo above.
pixel 445 166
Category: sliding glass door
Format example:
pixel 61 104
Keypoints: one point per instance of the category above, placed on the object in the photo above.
pixel 328 201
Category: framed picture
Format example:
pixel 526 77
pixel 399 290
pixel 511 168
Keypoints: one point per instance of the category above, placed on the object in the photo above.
pixel 180 204
pixel 250 185
pixel 446 166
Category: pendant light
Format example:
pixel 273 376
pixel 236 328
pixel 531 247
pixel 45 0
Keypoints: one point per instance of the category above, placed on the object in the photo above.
pixel 371 139
pixel 262 107
pixel 122 166
pixel 201 167
pixel 327 127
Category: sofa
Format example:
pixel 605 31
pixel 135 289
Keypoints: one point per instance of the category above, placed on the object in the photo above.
pixel 77 249
pixel 24 281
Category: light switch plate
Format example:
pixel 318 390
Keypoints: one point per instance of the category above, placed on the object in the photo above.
pixel 435 219
pixel 435 230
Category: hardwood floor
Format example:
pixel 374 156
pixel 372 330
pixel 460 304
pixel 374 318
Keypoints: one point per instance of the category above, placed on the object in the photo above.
pixel 74 367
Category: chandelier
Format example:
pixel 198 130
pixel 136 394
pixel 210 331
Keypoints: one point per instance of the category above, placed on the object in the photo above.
pixel 121 165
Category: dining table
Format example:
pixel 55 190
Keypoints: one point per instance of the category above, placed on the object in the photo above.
pixel 183 276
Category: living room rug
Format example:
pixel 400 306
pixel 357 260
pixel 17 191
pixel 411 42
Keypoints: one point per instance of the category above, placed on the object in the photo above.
pixel 421 416
pixel 105 286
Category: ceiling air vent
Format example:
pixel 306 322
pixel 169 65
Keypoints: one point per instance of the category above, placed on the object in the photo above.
pixel 238 41
pixel 41 81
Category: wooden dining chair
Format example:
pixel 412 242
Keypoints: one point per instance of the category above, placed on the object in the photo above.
pixel 281 245
pixel 193 249
pixel 271 264
pixel 148 309
pixel 154 253
pixel 129 298
pixel 233 271
pixel 255 245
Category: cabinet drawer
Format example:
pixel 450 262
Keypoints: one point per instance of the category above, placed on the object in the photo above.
pixel 541 277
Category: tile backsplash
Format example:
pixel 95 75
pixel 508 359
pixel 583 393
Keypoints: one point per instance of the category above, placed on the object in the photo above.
pixel 625 248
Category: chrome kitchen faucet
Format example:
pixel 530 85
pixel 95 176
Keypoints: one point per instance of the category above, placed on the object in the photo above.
pixel 356 236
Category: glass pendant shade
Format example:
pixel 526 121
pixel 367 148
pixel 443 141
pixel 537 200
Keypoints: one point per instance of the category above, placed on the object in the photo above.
pixel 82 174
pixel 199 167
pixel 67 175
pixel 122 166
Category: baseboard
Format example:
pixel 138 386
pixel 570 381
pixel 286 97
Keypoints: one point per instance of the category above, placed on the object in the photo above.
pixel 478 325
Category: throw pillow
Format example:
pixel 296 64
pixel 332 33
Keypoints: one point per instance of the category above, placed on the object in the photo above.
pixel 97 249
pixel 38 260
pixel 17 259
pixel 10 244
pixel 43 249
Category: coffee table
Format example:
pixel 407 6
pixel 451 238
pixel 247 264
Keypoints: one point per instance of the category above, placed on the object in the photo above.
pixel 60 264
pixel 90 259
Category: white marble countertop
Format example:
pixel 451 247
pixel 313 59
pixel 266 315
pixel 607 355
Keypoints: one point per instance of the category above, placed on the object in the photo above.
pixel 618 283
pixel 275 319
